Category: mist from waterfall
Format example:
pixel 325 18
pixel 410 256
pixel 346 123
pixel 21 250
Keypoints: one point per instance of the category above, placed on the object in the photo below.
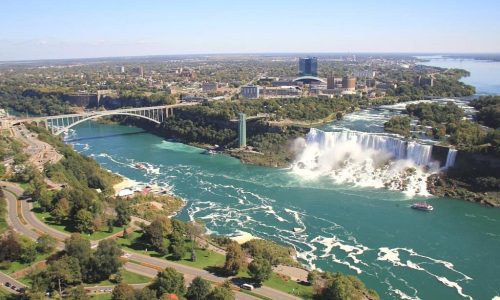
pixel 366 160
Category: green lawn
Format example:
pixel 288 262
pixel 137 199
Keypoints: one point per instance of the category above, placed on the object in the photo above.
pixel 67 226
pixel 3 214
pixel 16 266
pixel 290 287
pixel 205 258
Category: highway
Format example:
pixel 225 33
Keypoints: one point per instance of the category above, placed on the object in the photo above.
pixel 147 266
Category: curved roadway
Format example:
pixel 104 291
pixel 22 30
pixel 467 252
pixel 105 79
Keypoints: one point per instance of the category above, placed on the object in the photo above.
pixel 148 266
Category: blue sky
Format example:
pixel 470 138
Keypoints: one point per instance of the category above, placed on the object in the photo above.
pixel 91 28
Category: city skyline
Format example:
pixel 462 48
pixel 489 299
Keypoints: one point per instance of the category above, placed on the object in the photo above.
pixel 86 29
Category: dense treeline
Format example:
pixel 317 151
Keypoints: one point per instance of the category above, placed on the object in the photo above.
pixel 299 109
pixel 137 99
pixel 34 103
pixel 75 169
pixel 399 125
pixel 489 110
pixel 447 123
pixel 78 264
pixel 80 203
pixel 445 85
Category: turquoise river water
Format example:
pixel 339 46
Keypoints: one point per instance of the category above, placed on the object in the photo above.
pixel 450 253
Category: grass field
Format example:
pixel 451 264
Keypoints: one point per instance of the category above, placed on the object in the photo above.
pixel 16 266
pixel 204 258
pixel 3 215
pixel 66 227
pixel 290 287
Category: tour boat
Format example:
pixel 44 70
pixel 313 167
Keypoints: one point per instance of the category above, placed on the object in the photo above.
pixel 422 206
pixel 140 166
pixel 210 152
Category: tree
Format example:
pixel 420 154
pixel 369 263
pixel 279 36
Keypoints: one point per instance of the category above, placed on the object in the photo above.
pixel 45 243
pixel 107 257
pixel 168 281
pixel 234 258
pixel 199 289
pixel 64 272
pixel 123 213
pixel 28 252
pixel 312 275
pixel 84 221
pixel 341 287
pixel 123 291
pixel 78 247
pixel 178 227
pixel 10 247
pixel 260 269
pixel 145 294
pixel 61 210
pixel 78 293
pixel 177 246
pixel 223 292
pixel 155 233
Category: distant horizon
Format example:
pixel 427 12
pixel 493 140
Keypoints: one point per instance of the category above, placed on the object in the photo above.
pixel 58 29
pixel 297 54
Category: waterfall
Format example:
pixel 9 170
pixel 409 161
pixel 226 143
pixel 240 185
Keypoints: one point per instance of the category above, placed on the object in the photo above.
pixel 450 158
pixel 419 154
pixel 364 159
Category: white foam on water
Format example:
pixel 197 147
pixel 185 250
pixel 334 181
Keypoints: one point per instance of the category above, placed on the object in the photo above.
pixel 404 296
pixel 455 285
pixel 392 255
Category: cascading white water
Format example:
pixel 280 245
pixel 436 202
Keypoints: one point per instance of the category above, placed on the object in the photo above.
pixel 450 158
pixel 365 159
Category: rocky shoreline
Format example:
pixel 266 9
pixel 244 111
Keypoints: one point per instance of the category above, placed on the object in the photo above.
pixel 442 185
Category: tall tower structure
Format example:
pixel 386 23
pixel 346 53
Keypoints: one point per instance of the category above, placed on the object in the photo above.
pixel 308 66
pixel 243 130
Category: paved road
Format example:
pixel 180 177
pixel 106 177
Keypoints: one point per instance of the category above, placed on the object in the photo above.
pixel 150 265
pixel 4 278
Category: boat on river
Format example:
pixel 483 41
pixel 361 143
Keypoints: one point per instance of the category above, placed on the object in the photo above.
pixel 210 152
pixel 422 206
pixel 140 166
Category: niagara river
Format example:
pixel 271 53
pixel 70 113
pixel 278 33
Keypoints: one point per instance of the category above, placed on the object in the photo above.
pixel 348 192
pixel 451 253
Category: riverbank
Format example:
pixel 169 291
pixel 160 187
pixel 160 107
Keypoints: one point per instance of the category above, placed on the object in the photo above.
pixel 442 185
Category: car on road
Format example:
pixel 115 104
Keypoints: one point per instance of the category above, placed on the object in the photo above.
pixel 7 284
pixel 247 286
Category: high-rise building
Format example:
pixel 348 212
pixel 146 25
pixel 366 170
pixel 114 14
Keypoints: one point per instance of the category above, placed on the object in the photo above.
pixel 250 91
pixel 349 83
pixel 308 66
pixel 330 82
pixel 242 130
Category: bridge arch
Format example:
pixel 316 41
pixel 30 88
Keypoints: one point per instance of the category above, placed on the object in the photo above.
pixel 104 114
